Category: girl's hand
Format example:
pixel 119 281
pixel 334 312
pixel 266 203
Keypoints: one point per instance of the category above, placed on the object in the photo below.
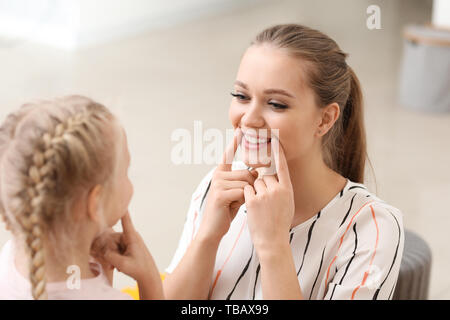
pixel 129 255
pixel 108 240
pixel 226 194
pixel 270 206
pixel 126 251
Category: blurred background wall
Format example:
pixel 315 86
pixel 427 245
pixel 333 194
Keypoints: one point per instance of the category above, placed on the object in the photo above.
pixel 162 65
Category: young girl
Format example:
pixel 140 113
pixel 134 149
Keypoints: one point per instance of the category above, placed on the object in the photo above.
pixel 313 230
pixel 63 182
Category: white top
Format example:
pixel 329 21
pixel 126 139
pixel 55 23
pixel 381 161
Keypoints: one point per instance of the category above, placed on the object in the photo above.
pixel 351 249
pixel 14 286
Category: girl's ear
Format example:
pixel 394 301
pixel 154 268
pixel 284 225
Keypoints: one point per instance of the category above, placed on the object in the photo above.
pixel 93 203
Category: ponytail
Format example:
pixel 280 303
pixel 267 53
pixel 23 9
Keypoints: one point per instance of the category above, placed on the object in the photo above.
pixel 351 160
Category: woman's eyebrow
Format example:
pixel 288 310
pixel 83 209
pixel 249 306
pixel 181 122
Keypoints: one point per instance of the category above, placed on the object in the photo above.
pixel 267 91
pixel 241 84
pixel 279 91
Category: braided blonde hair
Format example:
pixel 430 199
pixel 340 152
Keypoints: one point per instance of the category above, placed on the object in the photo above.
pixel 49 152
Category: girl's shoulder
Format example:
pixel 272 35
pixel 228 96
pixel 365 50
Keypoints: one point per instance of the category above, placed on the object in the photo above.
pixel 97 288
pixel 13 286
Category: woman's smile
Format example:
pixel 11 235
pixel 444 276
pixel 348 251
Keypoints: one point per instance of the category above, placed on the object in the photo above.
pixel 253 142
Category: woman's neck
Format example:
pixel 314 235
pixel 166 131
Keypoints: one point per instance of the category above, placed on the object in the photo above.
pixel 314 185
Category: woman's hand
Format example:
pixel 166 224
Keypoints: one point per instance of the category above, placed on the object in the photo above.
pixel 226 194
pixel 270 211
pixel 270 206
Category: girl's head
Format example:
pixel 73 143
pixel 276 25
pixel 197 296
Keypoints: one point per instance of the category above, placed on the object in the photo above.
pixel 63 166
pixel 296 80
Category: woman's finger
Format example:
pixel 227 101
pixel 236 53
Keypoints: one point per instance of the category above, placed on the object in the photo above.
pixel 230 151
pixel 243 175
pixel 249 193
pixel 233 195
pixel 259 186
pixel 280 162
pixel 229 184
pixel 270 181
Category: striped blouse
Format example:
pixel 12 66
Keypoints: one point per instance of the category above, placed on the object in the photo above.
pixel 351 249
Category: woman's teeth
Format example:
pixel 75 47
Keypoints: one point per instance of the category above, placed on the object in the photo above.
pixel 252 142
pixel 256 140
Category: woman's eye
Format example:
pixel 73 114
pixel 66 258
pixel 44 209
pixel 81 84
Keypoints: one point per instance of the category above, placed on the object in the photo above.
pixel 239 96
pixel 278 105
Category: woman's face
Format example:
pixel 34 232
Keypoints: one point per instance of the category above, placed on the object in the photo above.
pixel 271 97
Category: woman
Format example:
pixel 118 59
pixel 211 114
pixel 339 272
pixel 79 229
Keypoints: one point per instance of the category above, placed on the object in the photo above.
pixel 313 231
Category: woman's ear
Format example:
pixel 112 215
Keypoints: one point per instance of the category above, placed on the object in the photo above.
pixel 93 203
pixel 330 114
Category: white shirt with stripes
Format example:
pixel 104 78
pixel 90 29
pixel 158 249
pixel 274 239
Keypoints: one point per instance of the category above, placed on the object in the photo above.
pixel 351 249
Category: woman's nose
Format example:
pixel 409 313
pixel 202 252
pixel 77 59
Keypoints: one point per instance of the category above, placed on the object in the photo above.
pixel 253 117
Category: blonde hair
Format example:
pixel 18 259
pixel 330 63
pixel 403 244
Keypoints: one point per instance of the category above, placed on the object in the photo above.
pixel 50 152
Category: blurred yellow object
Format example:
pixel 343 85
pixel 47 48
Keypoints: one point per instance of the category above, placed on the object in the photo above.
pixel 134 291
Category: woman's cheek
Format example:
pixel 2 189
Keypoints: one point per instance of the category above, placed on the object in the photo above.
pixel 290 141
pixel 299 146
pixel 234 115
